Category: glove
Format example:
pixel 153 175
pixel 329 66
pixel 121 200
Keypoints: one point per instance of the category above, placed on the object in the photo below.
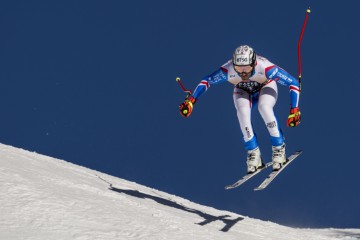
pixel 294 117
pixel 187 106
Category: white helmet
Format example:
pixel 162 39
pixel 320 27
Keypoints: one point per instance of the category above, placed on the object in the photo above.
pixel 244 55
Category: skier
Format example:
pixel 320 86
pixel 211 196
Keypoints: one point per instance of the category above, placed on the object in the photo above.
pixel 255 80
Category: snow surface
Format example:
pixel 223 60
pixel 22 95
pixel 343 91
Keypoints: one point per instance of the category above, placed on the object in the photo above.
pixel 46 198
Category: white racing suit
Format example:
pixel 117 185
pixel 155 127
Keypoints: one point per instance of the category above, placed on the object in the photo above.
pixel 260 90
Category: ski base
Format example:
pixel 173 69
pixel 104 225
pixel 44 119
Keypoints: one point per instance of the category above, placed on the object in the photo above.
pixel 275 173
pixel 247 177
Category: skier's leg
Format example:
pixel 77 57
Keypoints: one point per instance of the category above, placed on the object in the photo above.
pixel 243 104
pixel 267 100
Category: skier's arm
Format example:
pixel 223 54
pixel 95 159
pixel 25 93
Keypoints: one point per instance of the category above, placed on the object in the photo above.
pixel 284 78
pixel 281 76
pixel 216 77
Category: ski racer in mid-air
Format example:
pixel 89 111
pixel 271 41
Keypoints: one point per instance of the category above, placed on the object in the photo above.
pixel 255 80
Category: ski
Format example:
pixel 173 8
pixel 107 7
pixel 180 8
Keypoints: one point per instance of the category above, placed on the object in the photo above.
pixel 275 173
pixel 247 177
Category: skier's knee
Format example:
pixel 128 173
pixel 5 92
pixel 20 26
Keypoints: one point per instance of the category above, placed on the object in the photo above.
pixel 263 108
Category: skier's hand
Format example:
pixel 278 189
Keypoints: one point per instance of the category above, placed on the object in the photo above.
pixel 294 117
pixel 187 106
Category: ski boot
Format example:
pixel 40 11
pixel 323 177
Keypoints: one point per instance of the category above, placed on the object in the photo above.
pixel 278 156
pixel 254 161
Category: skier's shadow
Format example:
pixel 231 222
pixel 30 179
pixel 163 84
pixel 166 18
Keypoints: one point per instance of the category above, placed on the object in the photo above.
pixel 229 223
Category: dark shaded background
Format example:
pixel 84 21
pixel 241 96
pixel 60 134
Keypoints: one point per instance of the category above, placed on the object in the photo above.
pixel 93 82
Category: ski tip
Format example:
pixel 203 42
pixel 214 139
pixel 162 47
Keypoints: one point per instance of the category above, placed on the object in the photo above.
pixel 298 152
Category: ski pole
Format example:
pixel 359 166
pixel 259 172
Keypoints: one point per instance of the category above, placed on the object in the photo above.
pixel 299 44
pixel 189 92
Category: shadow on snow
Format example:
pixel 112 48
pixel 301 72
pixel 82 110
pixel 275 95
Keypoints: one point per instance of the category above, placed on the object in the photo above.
pixel 229 223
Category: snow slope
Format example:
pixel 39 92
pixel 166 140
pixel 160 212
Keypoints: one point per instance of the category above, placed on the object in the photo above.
pixel 46 198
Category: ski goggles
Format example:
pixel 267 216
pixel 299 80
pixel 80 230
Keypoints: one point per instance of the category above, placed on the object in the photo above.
pixel 241 69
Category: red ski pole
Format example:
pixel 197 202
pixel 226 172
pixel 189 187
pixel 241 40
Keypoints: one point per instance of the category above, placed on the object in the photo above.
pixel 299 44
pixel 189 92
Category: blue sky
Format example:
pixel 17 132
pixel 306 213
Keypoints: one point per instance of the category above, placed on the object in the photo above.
pixel 93 82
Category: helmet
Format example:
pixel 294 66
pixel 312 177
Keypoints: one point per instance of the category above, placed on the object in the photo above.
pixel 244 55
